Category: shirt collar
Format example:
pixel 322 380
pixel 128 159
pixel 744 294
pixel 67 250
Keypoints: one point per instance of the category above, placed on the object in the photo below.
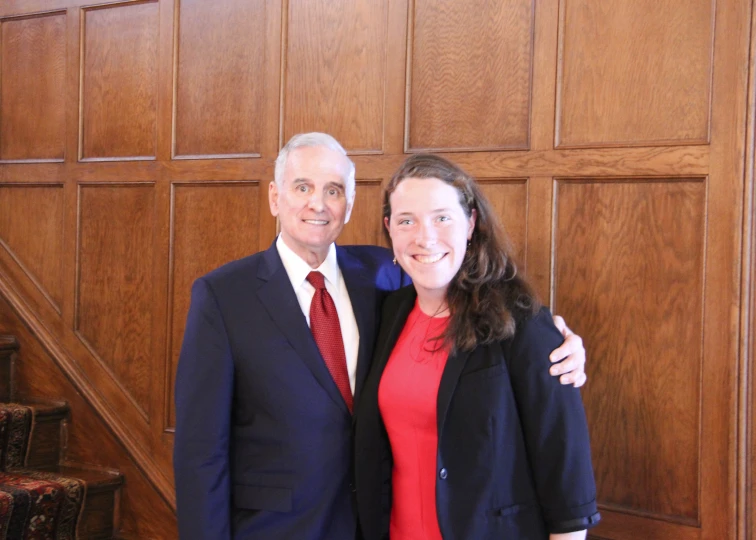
pixel 297 269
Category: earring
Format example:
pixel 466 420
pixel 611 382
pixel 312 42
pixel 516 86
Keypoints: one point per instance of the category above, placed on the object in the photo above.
pixel 394 261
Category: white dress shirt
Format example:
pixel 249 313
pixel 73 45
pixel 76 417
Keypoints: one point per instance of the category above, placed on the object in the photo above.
pixel 297 270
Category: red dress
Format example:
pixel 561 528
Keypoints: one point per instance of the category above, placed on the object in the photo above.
pixel 407 399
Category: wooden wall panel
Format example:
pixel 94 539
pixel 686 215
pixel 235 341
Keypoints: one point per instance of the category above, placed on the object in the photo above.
pixel 634 72
pixel 114 297
pixel 119 82
pixel 219 86
pixel 366 224
pixel 31 228
pixel 626 91
pixel 509 199
pixel 212 224
pixel 629 278
pixel 32 70
pixel 335 71
pixel 470 75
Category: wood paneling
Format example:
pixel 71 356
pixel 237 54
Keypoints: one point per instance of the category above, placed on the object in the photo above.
pixel 31 228
pixel 335 71
pixel 213 223
pixel 32 106
pixel 119 82
pixel 470 75
pixel 629 277
pixel 366 224
pixel 641 99
pixel 114 294
pixel 635 72
pixel 219 85
pixel 509 199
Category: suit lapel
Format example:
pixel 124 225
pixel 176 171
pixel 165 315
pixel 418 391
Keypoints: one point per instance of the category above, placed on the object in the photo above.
pixel 362 296
pixel 279 299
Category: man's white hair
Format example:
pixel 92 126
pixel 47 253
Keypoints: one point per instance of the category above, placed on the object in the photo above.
pixel 309 140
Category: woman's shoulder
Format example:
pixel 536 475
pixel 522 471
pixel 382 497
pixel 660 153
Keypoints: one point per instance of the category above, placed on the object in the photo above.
pixel 535 333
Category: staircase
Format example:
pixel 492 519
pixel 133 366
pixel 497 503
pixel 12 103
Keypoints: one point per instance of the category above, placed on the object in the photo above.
pixel 33 469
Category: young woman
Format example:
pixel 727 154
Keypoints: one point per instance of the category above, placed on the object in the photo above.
pixel 461 433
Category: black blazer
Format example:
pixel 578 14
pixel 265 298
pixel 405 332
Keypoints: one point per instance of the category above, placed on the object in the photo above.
pixel 513 456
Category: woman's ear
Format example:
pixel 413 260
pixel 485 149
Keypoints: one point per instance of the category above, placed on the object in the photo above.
pixel 386 223
pixel 471 228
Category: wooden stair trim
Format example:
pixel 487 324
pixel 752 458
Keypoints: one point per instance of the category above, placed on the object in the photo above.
pixel 8 343
pixel 141 457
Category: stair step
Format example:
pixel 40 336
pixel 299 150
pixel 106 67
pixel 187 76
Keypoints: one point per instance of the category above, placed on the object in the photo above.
pixel 45 442
pixel 97 517
pixel 8 349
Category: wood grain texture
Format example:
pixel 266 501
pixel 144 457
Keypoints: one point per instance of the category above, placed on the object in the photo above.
pixel 629 278
pixel 470 75
pixel 31 228
pixel 32 106
pixel 143 512
pixel 366 224
pixel 219 86
pixel 335 71
pixel 635 72
pixel 119 82
pixel 114 298
pixel 213 223
pixel 509 198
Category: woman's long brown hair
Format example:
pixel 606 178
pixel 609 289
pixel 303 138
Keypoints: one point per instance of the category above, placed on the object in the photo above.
pixel 487 295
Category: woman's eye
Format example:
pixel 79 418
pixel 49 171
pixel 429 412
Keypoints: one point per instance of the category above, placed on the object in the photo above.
pixel 443 218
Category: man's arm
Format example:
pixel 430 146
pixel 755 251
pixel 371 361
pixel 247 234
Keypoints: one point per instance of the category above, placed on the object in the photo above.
pixel 204 389
pixel 570 356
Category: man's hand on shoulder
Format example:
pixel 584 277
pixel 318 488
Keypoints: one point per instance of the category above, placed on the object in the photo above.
pixel 570 356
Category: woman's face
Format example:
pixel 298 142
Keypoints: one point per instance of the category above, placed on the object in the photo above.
pixel 429 231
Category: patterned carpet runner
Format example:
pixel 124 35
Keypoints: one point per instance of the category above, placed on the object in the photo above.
pixel 34 505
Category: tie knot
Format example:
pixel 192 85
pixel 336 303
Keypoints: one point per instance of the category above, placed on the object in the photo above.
pixel 316 279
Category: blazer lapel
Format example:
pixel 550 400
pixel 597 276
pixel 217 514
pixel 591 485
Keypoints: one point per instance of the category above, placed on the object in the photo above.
pixel 452 371
pixel 390 330
pixel 279 299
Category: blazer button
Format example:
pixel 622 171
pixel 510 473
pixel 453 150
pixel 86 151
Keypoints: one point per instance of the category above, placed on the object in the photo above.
pixel 442 474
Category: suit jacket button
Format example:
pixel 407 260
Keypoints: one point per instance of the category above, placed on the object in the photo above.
pixel 442 474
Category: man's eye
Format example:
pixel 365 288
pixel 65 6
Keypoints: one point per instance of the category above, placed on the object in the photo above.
pixel 333 192
pixel 302 188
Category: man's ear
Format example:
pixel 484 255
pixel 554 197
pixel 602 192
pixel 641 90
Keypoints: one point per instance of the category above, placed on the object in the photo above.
pixel 350 205
pixel 273 198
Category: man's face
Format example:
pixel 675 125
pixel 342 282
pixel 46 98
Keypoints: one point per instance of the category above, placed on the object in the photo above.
pixel 311 204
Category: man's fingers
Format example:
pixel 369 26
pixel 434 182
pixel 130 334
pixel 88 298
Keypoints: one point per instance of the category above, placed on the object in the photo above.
pixel 573 344
pixel 560 324
pixel 567 366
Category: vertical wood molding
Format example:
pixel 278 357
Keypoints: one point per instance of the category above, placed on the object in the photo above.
pixel 746 520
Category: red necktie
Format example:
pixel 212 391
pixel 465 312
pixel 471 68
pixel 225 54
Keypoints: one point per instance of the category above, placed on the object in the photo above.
pixel 324 323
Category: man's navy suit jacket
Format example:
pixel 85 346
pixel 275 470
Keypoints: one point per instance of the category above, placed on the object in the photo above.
pixel 263 445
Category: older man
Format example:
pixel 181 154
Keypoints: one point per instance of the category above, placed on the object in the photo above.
pixel 275 351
